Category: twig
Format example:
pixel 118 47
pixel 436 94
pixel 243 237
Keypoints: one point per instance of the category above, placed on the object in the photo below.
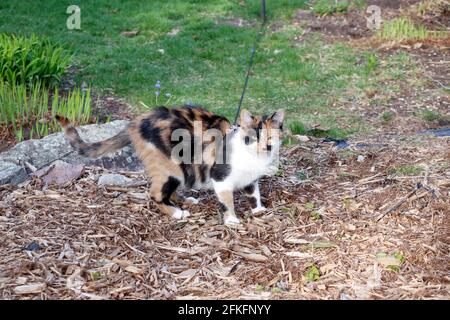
pixel 400 202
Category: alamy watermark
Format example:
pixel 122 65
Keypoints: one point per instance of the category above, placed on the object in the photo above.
pixel 74 20
pixel 374 20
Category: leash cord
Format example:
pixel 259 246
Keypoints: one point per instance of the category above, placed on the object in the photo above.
pixel 260 33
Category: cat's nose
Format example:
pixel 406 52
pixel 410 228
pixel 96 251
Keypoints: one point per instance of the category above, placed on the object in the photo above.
pixel 269 147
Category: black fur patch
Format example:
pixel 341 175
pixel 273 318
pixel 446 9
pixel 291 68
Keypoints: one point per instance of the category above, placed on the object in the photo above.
pixel 160 113
pixel 168 188
pixel 222 208
pixel 249 189
pixel 189 174
pixel 220 171
pixel 191 114
pixel 153 135
pixel 202 172
pixel 252 201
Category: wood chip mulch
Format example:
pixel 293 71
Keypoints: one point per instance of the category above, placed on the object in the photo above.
pixel 91 242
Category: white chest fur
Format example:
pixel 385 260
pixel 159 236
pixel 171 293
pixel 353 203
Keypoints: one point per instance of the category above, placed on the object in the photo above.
pixel 247 166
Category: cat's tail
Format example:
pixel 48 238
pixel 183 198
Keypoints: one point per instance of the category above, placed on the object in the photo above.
pixel 95 149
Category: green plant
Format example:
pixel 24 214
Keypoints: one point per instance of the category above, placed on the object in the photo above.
pixel 402 29
pixel 28 111
pixel 302 175
pixel 328 7
pixel 28 59
pixel 315 215
pixel 433 116
pixel 371 63
pixel 313 274
pixel 298 127
pixel 406 170
pixel 386 116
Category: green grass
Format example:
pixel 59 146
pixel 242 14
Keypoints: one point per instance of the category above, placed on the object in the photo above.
pixel 406 171
pixel 300 128
pixel 434 116
pixel 205 61
pixel 403 29
pixel 329 7
pixel 28 111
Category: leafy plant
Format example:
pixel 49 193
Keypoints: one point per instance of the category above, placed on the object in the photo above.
pixel 386 116
pixel 402 29
pixel 371 63
pixel 29 59
pixel 313 274
pixel 309 206
pixel 434 116
pixel 315 215
pixel 28 111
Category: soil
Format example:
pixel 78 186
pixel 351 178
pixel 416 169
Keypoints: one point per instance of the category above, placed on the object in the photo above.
pixel 353 24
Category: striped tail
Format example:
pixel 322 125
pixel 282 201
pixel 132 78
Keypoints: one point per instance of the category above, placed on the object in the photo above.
pixel 95 149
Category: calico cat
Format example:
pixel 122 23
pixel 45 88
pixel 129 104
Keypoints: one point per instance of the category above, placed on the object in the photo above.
pixel 233 158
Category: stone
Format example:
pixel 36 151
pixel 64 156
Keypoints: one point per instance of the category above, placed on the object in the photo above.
pixel 11 173
pixel 118 180
pixel 43 152
pixel 113 179
pixel 60 173
pixel 301 138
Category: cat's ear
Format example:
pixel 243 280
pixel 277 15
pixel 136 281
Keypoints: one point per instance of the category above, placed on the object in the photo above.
pixel 277 118
pixel 246 118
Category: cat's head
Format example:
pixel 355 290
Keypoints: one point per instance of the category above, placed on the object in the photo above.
pixel 261 135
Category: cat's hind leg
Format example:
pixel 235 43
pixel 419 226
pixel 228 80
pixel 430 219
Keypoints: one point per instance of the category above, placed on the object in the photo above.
pixel 162 190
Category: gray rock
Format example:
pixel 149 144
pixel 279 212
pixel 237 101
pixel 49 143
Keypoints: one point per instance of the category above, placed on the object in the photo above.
pixel 42 152
pixel 118 180
pixel 113 179
pixel 11 173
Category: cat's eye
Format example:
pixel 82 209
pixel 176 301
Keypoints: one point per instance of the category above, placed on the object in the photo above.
pixel 247 140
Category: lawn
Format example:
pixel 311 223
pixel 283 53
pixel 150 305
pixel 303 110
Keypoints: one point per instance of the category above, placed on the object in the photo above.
pixel 199 51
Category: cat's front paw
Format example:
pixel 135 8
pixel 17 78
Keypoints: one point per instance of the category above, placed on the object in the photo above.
pixel 192 200
pixel 231 220
pixel 259 209
pixel 180 214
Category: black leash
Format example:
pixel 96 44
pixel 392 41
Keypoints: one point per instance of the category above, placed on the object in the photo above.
pixel 260 33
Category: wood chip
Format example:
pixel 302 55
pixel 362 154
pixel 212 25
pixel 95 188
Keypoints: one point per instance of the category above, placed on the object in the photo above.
pixel 30 288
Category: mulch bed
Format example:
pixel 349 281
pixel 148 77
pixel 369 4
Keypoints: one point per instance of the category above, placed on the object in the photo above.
pixel 91 242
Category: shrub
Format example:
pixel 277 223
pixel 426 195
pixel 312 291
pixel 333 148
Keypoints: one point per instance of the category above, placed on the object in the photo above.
pixel 29 59
pixel 27 111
